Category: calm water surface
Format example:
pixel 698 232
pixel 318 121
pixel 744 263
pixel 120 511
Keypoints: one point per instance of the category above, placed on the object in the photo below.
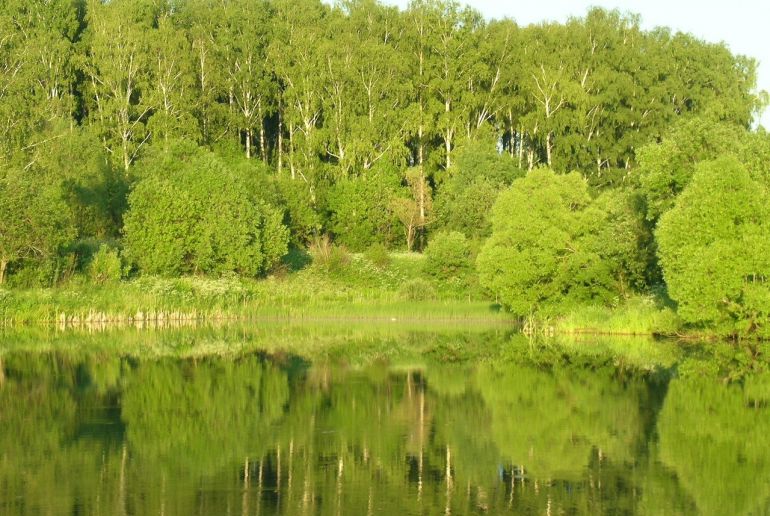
pixel 300 422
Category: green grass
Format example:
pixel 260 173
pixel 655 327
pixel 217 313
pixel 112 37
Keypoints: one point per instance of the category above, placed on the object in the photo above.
pixel 639 315
pixel 360 290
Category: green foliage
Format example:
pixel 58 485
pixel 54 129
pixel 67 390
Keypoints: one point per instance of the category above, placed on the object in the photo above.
pixel 378 254
pixel 94 192
pixel 35 222
pixel 299 204
pixel 624 241
pixel 106 266
pixel 666 168
pixel 329 257
pixel 417 289
pixel 191 214
pixel 448 256
pixel 551 245
pixel 714 247
pixel 360 214
pixel 374 126
pixel 467 195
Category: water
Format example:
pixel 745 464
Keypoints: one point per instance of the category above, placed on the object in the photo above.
pixel 394 423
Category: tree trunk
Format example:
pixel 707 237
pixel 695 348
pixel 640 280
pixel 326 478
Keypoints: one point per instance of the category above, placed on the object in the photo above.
pixel 262 145
pixel 291 150
pixel 548 148
pixel 3 267
pixel 420 158
pixel 280 141
pixel 410 231
pixel 126 159
pixel 448 138
pixel 448 146
pixel 248 143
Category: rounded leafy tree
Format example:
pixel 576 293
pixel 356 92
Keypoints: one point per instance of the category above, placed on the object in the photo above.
pixel 714 247
pixel 552 244
pixel 192 214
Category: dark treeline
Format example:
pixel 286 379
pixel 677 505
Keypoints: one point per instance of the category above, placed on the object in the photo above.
pixel 206 136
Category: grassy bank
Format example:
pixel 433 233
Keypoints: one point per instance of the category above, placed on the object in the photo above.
pixel 639 315
pixel 357 290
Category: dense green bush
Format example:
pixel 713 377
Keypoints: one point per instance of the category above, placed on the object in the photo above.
pixel 379 256
pixel 191 214
pixel 35 222
pixel 714 247
pixel 666 168
pixel 299 202
pixel 106 266
pixel 417 289
pixel 448 256
pixel 465 198
pixel 360 214
pixel 552 245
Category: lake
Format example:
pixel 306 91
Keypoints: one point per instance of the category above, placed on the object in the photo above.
pixel 375 419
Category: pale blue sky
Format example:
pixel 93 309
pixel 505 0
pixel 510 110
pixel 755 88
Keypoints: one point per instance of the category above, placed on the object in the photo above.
pixel 744 25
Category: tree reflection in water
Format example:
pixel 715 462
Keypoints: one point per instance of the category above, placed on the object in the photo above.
pixel 279 434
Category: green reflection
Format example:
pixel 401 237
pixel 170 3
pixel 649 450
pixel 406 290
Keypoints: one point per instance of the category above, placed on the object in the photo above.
pixel 404 423
pixel 718 443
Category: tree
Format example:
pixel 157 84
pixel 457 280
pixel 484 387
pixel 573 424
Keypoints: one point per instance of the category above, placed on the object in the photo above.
pixel 171 85
pixel 465 198
pixel 360 213
pixel 414 212
pixel 364 96
pixel 448 256
pixel 37 71
pixel 191 214
pixel 547 246
pixel 117 65
pixel 34 220
pixel 714 248
pixel 666 168
pixel 251 91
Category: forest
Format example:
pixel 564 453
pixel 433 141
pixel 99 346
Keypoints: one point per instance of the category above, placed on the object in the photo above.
pixel 541 167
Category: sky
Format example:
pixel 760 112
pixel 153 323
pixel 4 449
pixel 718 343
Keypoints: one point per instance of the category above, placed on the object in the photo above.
pixel 744 25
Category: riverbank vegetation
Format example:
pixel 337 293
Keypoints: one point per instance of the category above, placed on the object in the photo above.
pixel 197 159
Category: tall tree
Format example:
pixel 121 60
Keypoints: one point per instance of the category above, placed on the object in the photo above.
pixel 117 65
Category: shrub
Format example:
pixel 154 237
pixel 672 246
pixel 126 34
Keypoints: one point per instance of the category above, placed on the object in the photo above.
pixel 35 223
pixel 192 214
pixel 417 289
pixel 448 256
pixel 360 214
pixel 105 266
pixel 378 254
pixel 714 248
pixel 330 258
pixel 552 245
